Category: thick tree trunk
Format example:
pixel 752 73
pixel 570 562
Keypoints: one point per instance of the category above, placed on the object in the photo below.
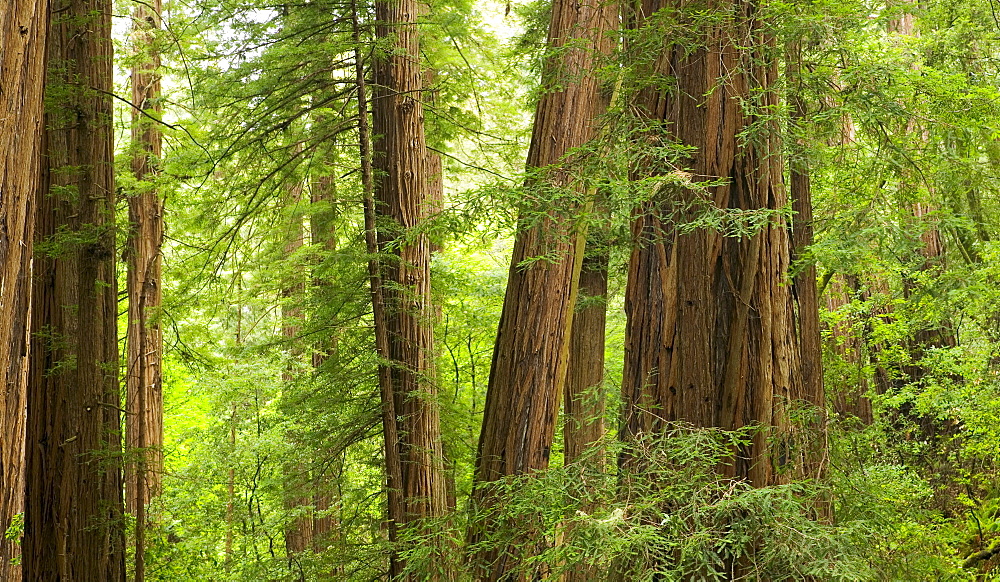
pixel 531 351
pixel 144 342
pixel 711 337
pixel 390 437
pixel 73 503
pixel 401 194
pixel 23 27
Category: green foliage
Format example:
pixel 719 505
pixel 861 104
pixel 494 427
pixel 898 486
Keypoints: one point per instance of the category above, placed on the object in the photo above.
pixel 266 427
pixel 14 532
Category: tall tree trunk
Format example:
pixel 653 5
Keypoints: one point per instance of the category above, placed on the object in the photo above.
pixel 804 287
pixel 532 345
pixel 390 437
pixel 323 221
pixel 144 341
pixel 401 195
pixel 711 336
pixel 435 205
pixel 23 26
pixel 73 496
pixel 583 395
pixel 298 533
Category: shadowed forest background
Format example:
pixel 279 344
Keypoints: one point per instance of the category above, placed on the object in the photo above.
pixel 445 290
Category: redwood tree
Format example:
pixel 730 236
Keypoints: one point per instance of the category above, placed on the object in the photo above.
pixel 22 61
pixel 711 337
pixel 531 351
pixel 298 533
pixel 144 340
pixel 73 503
pixel 401 205
pixel 804 284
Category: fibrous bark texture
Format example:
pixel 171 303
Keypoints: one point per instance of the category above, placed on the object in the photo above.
pixel 144 339
pixel 401 194
pixel 531 350
pixel 393 471
pixel 583 395
pixel 23 26
pixel 583 403
pixel 804 286
pixel 73 503
pixel 711 336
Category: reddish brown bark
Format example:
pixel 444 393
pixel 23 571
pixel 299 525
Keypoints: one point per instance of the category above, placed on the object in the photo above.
pixel 851 398
pixel 23 27
pixel 393 471
pixel 711 337
pixel 144 341
pixel 434 165
pixel 804 285
pixel 401 191
pixel 583 395
pixel 531 350
pixel 583 403
pixel 73 501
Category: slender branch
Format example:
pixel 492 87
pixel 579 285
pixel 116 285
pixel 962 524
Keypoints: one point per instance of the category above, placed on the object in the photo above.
pixel 160 121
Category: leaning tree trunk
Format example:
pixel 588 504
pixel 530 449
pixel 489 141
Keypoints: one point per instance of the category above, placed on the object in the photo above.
pixel 710 336
pixel 531 350
pixel 401 195
pixel 73 497
pixel 23 26
pixel 144 340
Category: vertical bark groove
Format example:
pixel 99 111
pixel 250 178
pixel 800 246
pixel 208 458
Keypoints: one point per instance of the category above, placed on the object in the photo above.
pixel 804 284
pixel 401 196
pixel 583 402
